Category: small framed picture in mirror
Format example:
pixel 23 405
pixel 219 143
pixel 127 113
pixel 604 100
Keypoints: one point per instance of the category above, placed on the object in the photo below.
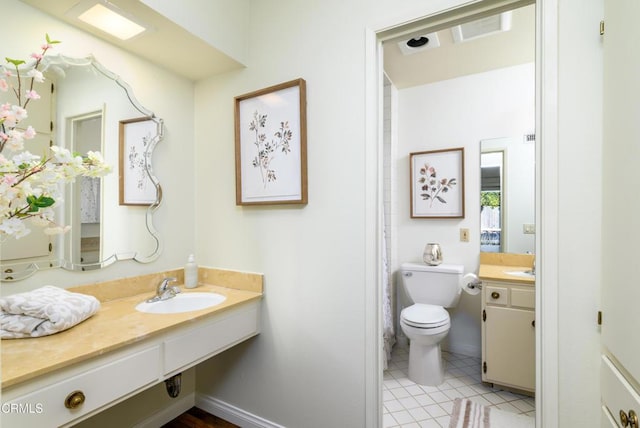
pixel 437 183
pixel 136 186
pixel 271 145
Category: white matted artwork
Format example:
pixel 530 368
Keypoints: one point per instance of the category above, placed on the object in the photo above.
pixel 271 145
pixel 437 184
pixel 136 187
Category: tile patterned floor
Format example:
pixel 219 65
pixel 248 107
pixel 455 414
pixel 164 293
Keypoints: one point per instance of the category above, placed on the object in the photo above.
pixel 409 405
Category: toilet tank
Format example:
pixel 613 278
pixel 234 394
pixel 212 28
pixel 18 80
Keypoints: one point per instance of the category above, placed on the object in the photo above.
pixel 434 285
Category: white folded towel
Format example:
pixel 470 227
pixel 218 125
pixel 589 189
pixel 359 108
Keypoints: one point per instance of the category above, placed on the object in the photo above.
pixel 43 311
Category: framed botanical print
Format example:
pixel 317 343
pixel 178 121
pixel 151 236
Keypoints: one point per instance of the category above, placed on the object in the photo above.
pixel 271 145
pixel 136 187
pixel 437 183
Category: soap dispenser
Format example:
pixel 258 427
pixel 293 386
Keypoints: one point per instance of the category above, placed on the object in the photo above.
pixel 191 273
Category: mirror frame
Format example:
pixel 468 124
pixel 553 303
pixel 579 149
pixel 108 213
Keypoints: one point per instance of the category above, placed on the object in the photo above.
pixel 17 271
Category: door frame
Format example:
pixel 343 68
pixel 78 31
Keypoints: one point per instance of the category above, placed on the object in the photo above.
pixel 547 347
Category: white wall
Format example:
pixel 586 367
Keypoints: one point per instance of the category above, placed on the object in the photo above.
pixel 458 113
pixel 167 95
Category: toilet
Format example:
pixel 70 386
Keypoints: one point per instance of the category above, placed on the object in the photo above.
pixel 426 322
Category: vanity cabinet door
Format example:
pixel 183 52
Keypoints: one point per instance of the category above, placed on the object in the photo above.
pixel 508 335
pixel 509 343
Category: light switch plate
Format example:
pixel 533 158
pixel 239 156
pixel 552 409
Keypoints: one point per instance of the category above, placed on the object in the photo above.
pixel 464 235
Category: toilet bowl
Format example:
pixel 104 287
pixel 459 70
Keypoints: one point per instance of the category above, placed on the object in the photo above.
pixel 426 322
pixel 425 326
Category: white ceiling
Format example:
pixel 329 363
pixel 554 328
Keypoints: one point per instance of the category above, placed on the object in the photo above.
pixel 203 59
pixel 450 60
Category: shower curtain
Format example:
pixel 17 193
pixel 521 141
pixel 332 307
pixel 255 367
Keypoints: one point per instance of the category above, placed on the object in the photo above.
pixel 388 334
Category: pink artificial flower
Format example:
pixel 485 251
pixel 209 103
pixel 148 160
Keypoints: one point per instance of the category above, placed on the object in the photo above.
pixel 29 133
pixel 36 75
pixel 46 46
pixel 37 56
pixel 10 179
pixel 3 137
pixel 4 86
pixel 9 118
pixel 8 73
pixel 32 94
pixel 21 112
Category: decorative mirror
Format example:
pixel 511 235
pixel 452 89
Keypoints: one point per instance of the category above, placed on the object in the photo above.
pixel 507 195
pixel 84 110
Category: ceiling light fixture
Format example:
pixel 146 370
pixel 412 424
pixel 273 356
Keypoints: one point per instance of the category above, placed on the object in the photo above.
pixel 419 43
pixel 109 18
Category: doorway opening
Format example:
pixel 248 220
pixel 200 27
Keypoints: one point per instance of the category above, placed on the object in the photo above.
pixel 458 26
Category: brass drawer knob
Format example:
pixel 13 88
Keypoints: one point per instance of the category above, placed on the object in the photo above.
pixel 630 420
pixel 74 400
pixel 495 295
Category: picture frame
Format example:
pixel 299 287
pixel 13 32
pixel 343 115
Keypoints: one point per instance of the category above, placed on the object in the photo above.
pixel 271 145
pixel 437 183
pixel 135 136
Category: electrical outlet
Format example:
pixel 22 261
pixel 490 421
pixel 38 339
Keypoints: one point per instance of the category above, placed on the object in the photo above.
pixel 529 228
pixel 464 235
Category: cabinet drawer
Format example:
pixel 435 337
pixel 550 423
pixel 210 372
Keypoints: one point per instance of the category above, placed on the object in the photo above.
pixel 186 350
pixel 617 393
pixel 100 386
pixel 523 298
pixel 497 295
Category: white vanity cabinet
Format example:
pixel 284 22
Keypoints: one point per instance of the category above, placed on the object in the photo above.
pixel 508 335
pixel 67 396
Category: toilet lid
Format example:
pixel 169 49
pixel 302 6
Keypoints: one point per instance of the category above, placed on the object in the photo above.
pixel 425 316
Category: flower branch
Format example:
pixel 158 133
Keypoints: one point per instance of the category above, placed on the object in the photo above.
pixel 29 184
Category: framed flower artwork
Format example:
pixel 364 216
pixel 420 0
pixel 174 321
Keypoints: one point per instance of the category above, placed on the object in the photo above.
pixel 437 183
pixel 136 187
pixel 271 145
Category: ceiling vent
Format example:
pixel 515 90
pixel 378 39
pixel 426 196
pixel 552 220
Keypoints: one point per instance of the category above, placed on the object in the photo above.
pixel 481 27
pixel 419 43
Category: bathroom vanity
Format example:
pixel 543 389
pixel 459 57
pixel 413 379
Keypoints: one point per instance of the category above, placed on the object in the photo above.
pixel 508 321
pixel 61 379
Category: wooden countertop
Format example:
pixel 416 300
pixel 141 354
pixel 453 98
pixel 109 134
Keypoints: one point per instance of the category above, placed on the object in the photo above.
pixel 114 326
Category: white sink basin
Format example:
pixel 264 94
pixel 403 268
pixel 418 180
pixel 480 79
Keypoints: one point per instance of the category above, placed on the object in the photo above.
pixel 183 302
pixel 522 274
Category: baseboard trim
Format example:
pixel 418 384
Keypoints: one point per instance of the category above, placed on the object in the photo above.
pixel 232 413
pixel 175 409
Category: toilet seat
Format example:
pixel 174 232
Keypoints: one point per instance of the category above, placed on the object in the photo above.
pixel 421 315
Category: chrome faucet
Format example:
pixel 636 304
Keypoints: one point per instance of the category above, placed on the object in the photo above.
pixel 164 291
